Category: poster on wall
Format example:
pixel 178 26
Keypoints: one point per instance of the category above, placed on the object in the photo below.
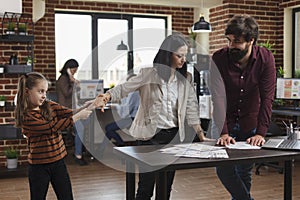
pixel 288 88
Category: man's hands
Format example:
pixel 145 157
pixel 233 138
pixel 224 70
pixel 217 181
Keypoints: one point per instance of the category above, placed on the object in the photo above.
pixel 256 140
pixel 225 139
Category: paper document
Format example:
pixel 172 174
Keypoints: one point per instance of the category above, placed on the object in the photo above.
pixel 196 150
pixel 242 145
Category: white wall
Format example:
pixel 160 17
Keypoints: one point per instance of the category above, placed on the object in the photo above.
pixel 14 6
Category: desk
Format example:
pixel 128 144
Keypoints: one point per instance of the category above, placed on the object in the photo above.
pixel 96 133
pixel 139 155
pixel 286 112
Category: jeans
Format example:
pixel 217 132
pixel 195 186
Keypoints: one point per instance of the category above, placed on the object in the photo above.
pixel 79 128
pixel 40 175
pixel 111 129
pixel 147 180
pixel 237 178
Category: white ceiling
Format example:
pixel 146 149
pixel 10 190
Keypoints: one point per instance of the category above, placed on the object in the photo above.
pixel 182 3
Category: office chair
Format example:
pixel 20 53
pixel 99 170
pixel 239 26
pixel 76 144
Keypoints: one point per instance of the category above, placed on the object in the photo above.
pixel 273 131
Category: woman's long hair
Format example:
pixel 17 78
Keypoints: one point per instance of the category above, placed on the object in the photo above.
pixel 163 59
pixel 28 81
pixel 71 63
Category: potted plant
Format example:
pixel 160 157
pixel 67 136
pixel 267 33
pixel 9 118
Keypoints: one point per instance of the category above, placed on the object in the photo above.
pixel 11 28
pixel 12 155
pixel 111 85
pixel 2 100
pixel 22 29
pixel 192 37
pixel 279 73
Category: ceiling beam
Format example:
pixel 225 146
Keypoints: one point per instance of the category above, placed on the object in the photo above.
pixel 177 3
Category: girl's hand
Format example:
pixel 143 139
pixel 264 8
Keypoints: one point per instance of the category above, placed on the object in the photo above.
pixel 83 114
pixel 88 103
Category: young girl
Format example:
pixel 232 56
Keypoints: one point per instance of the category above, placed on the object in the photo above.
pixel 41 122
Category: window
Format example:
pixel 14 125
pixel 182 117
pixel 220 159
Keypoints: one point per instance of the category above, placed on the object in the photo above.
pixel 148 34
pixel 92 39
pixel 73 40
pixel 112 63
pixel 296 43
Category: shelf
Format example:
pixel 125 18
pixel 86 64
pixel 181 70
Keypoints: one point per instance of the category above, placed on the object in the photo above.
pixel 16 38
pixel 20 171
pixel 17 69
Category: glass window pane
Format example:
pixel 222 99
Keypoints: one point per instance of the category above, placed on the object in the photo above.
pixel 73 40
pixel 297 45
pixel 112 62
pixel 148 34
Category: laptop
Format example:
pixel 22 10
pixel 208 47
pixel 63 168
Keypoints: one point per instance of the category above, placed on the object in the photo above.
pixel 282 144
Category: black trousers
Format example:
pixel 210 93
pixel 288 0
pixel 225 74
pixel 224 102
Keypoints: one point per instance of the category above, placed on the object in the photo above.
pixel 40 175
pixel 147 179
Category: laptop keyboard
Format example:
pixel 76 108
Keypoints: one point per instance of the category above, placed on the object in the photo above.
pixel 288 144
pixel 273 143
pixel 282 144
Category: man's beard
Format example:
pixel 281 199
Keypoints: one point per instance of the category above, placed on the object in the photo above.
pixel 237 54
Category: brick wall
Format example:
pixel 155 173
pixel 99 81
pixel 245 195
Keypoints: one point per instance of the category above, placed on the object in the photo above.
pixel 268 13
pixel 44 43
pixel 269 16
pixel 20 144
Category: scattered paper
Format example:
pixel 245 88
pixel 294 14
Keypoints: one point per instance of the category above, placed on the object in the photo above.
pixel 242 145
pixel 221 153
pixel 196 150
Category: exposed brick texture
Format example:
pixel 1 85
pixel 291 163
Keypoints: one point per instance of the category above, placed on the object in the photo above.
pixel 269 15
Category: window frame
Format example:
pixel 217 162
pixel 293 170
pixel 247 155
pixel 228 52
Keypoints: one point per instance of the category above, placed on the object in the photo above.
pixel 294 36
pixel 129 17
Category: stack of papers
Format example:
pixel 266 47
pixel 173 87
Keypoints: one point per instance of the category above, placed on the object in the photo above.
pixel 242 145
pixel 196 150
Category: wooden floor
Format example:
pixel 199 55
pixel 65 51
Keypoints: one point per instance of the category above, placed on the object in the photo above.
pixel 97 181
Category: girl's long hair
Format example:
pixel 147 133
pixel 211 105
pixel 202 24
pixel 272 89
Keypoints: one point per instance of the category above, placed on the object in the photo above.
pixel 28 81
pixel 163 59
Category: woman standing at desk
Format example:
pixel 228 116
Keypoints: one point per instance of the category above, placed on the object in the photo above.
pixel 167 100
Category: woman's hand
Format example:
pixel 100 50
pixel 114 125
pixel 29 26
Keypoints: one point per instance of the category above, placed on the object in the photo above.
pixel 202 137
pixel 101 100
pixel 71 76
pixel 200 133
